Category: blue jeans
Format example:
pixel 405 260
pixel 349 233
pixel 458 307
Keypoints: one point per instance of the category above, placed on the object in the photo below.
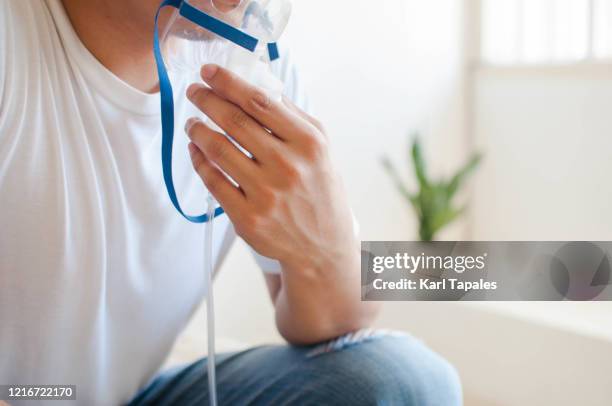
pixel 365 368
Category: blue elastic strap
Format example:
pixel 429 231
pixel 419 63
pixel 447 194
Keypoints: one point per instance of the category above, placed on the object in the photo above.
pixel 225 30
pixel 167 117
pixel 273 51
pixel 166 93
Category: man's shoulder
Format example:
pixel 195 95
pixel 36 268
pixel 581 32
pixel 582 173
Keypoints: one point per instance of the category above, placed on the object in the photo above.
pixel 21 21
pixel 24 27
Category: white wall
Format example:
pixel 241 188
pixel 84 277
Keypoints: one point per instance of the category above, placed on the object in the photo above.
pixel 547 134
pixel 376 71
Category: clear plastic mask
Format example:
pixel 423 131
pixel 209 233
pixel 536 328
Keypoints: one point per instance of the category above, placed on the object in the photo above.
pixel 187 46
pixel 239 35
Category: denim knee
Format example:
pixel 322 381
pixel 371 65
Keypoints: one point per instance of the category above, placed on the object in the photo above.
pixel 386 370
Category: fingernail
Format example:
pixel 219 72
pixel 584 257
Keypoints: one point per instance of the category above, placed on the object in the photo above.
pixel 209 71
pixel 190 124
pixel 191 90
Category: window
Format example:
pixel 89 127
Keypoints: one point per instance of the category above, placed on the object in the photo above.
pixel 545 31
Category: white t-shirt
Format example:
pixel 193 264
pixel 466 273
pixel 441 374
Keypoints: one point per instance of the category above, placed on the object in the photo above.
pixel 98 272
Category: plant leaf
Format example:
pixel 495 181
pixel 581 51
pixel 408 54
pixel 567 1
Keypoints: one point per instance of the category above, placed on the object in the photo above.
pixel 462 175
pixel 445 217
pixel 390 168
pixel 419 162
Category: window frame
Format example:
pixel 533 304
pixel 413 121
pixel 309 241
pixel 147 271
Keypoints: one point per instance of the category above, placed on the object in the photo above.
pixel 473 10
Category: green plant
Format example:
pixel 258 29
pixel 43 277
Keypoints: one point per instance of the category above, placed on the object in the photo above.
pixel 433 203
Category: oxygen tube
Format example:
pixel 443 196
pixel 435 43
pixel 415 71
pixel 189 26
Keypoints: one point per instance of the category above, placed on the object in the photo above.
pixel 210 302
pixel 251 49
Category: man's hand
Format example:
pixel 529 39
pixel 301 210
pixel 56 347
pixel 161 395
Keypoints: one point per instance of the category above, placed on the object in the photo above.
pixel 290 204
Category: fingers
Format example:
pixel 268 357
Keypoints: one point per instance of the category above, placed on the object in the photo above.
pixel 235 122
pixel 229 196
pixel 273 115
pixel 219 150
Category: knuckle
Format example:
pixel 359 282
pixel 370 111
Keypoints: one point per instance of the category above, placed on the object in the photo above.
pixel 198 165
pixel 288 168
pixel 238 119
pixel 248 225
pixel 314 147
pixel 225 78
pixel 216 149
pixel 261 101
pixel 212 184
pixel 277 156
pixel 319 126
pixel 293 177
pixel 196 130
pixel 269 200
pixel 226 82
pixel 201 95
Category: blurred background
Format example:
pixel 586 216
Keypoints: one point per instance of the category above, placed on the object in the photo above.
pixel 526 82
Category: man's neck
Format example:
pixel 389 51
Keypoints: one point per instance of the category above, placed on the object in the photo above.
pixel 119 33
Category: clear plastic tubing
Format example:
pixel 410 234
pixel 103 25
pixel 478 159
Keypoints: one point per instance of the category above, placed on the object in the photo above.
pixel 210 302
pixel 188 50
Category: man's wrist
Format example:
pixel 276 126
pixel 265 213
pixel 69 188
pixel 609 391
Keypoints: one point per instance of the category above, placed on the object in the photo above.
pixel 323 265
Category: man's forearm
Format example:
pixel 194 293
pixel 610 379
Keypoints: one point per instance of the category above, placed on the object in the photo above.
pixel 315 305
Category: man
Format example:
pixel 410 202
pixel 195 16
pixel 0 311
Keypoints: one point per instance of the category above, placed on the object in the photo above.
pixel 99 274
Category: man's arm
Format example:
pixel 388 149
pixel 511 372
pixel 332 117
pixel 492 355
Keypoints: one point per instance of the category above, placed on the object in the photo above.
pixel 312 314
pixel 290 205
